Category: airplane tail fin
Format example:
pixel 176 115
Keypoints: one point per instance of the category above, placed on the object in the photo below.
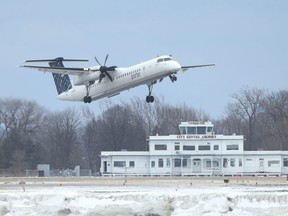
pixel 62 82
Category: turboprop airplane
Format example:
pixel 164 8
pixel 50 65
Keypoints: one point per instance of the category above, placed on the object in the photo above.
pixel 96 82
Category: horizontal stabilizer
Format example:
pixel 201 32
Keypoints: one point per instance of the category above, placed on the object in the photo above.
pixel 59 59
pixel 59 69
pixel 54 68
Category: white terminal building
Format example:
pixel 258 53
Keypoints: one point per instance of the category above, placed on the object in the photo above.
pixel 197 151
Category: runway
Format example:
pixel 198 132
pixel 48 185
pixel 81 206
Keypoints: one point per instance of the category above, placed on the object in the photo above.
pixel 144 196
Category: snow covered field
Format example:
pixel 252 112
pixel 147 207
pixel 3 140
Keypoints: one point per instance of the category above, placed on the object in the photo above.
pixel 145 196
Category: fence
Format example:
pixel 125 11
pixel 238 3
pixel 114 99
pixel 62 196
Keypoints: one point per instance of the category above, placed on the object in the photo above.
pixel 60 173
pixel 11 173
pixel 52 173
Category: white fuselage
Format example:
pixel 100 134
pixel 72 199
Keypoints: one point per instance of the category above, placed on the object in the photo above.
pixel 124 79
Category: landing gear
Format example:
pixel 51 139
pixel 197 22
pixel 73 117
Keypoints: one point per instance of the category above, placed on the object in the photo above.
pixel 87 98
pixel 150 98
pixel 173 78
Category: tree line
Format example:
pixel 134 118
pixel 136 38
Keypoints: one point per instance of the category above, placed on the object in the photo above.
pixel 31 134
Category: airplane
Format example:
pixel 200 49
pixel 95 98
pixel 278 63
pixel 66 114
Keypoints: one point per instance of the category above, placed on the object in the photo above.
pixel 96 82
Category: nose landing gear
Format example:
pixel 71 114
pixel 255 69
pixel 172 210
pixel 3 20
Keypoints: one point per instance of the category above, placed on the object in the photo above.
pixel 173 78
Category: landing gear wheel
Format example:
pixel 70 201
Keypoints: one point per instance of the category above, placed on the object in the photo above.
pixel 173 78
pixel 87 99
pixel 149 99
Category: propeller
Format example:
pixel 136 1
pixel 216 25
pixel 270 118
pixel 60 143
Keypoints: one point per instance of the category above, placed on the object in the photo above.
pixel 104 70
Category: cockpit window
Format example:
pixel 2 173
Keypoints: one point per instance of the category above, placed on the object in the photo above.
pixel 164 59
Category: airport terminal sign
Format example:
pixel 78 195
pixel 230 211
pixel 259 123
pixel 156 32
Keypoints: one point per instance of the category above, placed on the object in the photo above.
pixel 196 136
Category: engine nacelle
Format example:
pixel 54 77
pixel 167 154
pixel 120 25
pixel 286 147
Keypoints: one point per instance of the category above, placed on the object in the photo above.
pixel 86 78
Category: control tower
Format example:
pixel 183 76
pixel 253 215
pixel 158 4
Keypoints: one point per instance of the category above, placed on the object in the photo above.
pixel 196 128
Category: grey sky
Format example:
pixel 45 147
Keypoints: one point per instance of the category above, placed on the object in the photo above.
pixel 247 40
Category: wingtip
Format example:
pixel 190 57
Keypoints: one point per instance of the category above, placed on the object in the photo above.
pixel 22 65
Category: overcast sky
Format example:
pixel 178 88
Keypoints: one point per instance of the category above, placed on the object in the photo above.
pixel 247 40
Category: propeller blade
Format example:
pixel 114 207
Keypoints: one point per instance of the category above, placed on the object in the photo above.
pixel 109 76
pixel 101 76
pixel 106 59
pixel 97 60
pixel 104 69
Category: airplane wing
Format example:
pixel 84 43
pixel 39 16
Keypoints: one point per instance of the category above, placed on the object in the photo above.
pixel 185 68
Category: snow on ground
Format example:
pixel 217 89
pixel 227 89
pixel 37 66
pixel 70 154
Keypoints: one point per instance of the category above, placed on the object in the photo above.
pixel 144 196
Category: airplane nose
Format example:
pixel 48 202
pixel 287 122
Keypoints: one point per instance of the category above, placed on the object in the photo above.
pixel 177 66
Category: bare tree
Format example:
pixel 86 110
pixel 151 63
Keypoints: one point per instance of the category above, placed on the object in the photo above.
pixel 162 118
pixel 246 108
pixel 20 122
pixel 119 129
pixel 231 124
pixel 91 145
pixel 144 113
pixel 275 108
pixel 115 129
pixel 30 135
pixel 61 133
pixel 169 117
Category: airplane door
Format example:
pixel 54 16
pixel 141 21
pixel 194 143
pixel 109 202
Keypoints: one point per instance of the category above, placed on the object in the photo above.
pixel 144 71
